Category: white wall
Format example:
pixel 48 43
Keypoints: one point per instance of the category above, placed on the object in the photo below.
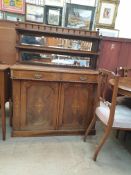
pixel 123 20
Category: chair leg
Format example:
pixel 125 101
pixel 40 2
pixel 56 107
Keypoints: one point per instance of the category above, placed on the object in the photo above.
pixel 89 128
pixel 3 120
pixel 103 140
pixel 11 111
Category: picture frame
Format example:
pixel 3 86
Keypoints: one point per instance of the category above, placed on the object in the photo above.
pixel 14 6
pixel 36 2
pixel 53 15
pixel 34 13
pixel 108 32
pixel 1 15
pixel 58 3
pixel 13 17
pixel 83 2
pixel 106 13
pixel 79 16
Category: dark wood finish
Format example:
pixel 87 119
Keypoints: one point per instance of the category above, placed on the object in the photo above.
pixel 52 101
pixel 4 94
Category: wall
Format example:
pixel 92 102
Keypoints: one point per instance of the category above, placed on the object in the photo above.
pixel 123 22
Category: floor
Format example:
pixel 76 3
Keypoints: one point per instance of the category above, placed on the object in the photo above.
pixel 64 155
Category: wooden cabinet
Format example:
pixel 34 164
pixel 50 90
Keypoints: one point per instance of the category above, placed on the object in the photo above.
pixel 52 101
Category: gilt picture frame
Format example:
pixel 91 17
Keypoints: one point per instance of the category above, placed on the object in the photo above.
pixel 106 13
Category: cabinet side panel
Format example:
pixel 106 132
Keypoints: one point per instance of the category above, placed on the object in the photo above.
pixel 16 104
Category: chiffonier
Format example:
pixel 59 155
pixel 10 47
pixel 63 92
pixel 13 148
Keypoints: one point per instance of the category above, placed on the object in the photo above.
pixel 55 81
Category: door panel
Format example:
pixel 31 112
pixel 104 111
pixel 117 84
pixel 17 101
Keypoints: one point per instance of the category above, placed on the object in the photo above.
pixel 76 105
pixel 39 105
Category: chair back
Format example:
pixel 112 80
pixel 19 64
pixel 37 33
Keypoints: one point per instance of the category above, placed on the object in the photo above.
pixel 124 71
pixel 108 79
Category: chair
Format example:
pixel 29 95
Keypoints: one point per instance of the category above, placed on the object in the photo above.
pixel 110 114
pixel 124 72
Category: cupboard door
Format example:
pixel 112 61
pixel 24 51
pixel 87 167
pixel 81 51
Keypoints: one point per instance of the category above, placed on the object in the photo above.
pixel 39 105
pixel 77 101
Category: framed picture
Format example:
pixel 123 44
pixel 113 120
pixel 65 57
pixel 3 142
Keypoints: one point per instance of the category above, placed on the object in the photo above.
pixel 83 2
pixel 1 15
pixel 34 13
pixel 13 17
pixel 54 2
pixel 53 15
pixel 15 6
pixel 36 2
pixel 106 14
pixel 109 32
pixel 79 16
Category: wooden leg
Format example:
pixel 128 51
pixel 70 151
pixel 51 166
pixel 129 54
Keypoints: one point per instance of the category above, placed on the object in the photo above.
pixel 3 120
pixel 89 128
pixel 10 111
pixel 103 140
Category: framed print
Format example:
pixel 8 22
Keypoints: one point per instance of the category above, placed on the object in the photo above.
pixel 13 17
pixel 1 15
pixel 53 15
pixel 79 16
pixel 109 32
pixel 54 2
pixel 83 2
pixel 106 14
pixel 34 13
pixel 15 6
pixel 36 2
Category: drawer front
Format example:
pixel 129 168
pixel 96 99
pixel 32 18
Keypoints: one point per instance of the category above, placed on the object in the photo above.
pixel 36 75
pixel 90 78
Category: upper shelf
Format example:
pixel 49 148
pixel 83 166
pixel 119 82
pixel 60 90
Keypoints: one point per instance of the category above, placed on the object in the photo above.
pixel 55 50
pixel 38 29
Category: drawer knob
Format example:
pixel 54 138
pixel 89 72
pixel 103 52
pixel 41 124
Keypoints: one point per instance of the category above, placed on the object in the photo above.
pixel 38 76
pixel 83 78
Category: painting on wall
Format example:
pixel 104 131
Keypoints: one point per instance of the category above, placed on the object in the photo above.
pixel 79 16
pixel 53 15
pixel 13 17
pixel 36 2
pixel 15 6
pixel 109 32
pixel 54 2
pixel 1 15
pixel 34 13
pixel 106 13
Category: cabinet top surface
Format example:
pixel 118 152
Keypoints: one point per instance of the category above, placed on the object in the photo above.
pixel 19 67
pixel 4 67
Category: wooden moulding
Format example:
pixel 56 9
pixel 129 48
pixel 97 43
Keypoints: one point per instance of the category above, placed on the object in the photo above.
pixel 56 30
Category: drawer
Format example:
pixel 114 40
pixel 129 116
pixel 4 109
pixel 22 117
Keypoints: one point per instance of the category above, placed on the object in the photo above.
pixel 89 78
pixel 36 75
